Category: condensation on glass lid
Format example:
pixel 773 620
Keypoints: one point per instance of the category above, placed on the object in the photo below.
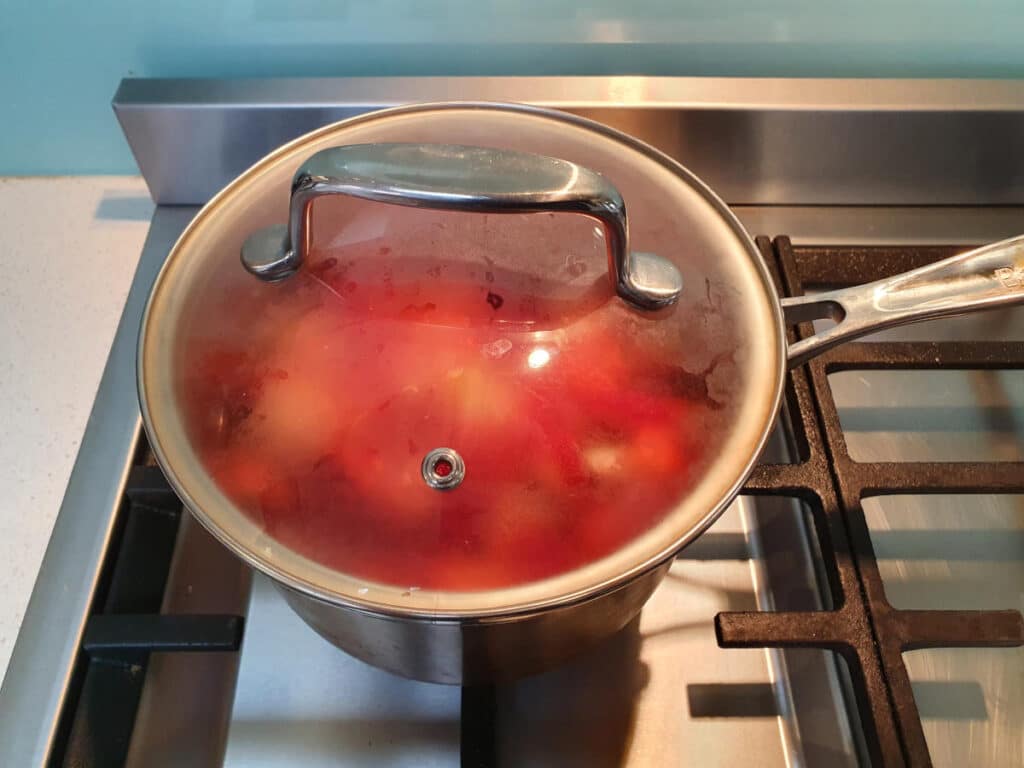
pixel 578 421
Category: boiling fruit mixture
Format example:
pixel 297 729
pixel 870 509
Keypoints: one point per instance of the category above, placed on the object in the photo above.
pixel 313 402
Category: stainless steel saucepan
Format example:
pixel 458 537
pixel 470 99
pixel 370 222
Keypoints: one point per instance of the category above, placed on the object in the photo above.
pixel 658 433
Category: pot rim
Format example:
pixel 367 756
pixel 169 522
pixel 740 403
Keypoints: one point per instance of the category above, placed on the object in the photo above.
pixel 497 610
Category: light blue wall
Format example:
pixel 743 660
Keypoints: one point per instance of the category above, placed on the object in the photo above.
pixel 60 62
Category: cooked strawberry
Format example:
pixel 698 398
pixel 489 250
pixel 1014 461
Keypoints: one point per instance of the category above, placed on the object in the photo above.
pixel 315 422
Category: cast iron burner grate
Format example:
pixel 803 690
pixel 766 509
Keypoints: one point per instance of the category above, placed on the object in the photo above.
pixel 870 634
pixel 126 625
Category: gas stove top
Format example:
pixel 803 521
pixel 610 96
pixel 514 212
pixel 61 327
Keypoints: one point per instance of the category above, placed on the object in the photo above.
pixel 854 607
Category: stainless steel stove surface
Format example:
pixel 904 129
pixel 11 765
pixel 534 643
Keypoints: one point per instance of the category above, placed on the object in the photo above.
pixel 661 684
pixel 893 481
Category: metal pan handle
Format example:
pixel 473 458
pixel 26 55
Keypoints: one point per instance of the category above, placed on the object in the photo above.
pixel 460 178
pixel 985 278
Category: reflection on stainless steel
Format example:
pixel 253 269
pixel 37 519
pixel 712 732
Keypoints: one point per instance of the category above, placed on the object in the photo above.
pixel 948 415
pixel 471 651
pixel 958 552
pixel 469 179
pixel 47 645
pixel 185 707
pixel 933 556
pixel 663 690
pixel 755 141
pixel 300 701
pixel 970 703
pixel 951 551
pixel 986 278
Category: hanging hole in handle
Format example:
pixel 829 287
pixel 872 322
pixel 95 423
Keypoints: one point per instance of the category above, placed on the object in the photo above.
pixel 805 309
pixel 826 313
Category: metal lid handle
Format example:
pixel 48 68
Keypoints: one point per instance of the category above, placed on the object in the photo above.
pixel 985 278
pixel 460 178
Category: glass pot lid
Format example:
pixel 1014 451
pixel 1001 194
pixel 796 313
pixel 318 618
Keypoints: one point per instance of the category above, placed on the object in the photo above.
pixel 428 397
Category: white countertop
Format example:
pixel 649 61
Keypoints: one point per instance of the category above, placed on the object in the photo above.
pixel 68 250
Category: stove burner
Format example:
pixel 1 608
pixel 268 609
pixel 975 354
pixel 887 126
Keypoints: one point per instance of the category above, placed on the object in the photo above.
pixel 865 629
pixel 99 715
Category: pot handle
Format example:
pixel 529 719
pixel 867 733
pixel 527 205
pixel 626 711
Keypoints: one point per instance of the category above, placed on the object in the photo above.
pixel 985 278
pixel 461 178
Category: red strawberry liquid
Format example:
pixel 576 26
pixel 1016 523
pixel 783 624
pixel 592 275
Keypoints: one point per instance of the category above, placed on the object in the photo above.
pixel 313 402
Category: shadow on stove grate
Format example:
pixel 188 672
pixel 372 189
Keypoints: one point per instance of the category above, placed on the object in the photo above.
pixel 126 625
pixel 864 628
